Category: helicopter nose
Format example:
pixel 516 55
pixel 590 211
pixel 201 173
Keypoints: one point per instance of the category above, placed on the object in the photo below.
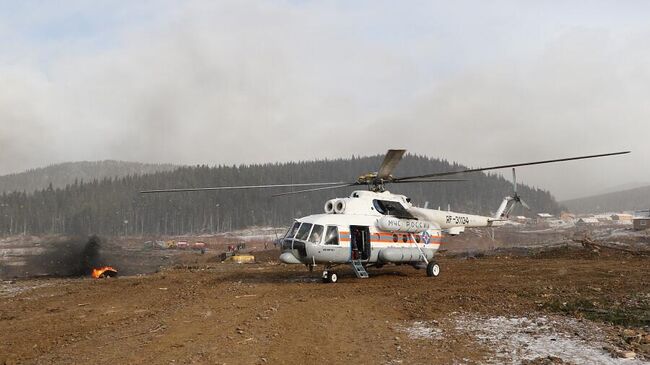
pixel 289 258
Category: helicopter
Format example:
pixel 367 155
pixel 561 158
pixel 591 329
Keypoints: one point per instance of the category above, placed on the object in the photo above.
pixel 374 227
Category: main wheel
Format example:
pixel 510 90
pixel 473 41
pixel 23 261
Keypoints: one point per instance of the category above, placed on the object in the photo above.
pixel 433 269
pixel 326 277
pixel 333 277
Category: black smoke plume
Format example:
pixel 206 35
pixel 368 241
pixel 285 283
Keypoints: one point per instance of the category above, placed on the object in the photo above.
pixel 76 257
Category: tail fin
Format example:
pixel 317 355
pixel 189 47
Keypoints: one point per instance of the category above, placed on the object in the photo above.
pixel 501 212
pixel 506 207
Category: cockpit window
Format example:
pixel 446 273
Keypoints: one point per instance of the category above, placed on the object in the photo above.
pixel 387 207
pixel 332 236
pixel 303 232
pixel 316 233
pixel 292 231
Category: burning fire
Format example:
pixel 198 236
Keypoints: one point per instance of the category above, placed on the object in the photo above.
pixel 103 272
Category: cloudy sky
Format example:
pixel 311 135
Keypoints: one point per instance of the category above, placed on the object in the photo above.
pixel 257 81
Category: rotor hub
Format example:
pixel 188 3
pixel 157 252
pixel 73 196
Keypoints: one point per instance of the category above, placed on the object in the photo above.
pixel 373 182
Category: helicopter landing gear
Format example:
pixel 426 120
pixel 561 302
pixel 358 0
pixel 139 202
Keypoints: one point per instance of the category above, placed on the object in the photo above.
pixel 433 269
pixel 330 276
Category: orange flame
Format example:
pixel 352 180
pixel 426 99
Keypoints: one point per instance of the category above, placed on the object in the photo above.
pixel 103 272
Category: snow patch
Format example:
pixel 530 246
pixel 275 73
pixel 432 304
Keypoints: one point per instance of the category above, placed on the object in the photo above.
pixel 420 330
pixel 515 339
pixel 10 289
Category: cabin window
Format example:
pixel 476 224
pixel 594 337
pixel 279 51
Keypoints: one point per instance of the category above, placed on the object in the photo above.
pixel 292 231
pixel 303 232
pixel 332 236
pixel 387 207
pixel 316 233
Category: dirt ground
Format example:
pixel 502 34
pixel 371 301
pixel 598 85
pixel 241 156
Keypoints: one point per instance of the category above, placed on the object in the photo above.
pixel 492 309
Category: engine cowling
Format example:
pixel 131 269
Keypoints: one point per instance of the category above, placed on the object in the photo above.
pixel 329 207
pixel 339 206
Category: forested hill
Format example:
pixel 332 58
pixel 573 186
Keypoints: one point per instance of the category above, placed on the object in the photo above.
pixel 627 200
pixel 113 206
pixel 60 175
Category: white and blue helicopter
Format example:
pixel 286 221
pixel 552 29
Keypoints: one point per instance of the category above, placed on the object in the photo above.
pixel 375 227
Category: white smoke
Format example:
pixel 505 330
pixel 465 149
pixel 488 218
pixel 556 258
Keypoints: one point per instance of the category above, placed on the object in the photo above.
pixel 239 82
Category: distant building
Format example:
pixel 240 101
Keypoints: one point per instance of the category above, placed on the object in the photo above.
pixel 622 217
pixel 555 223
pixel 567 217
pixel 543 218
pixel 603 218
pixel 587 221
pixel 642 213
pixel 520 219
pixel 641 223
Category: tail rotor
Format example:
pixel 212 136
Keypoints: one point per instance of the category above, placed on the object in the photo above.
pixel 515 197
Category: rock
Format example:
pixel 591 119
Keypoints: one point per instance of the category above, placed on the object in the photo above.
pixel 611 349
pixel 629 333
pixel 549 360
pixel 644 348
pixel 628 354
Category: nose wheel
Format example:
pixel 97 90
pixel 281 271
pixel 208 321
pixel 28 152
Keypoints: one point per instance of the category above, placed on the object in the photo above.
pixel 330 276
pixel 433 269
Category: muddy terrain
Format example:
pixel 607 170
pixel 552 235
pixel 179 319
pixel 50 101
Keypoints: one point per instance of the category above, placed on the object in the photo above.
pixel 567 305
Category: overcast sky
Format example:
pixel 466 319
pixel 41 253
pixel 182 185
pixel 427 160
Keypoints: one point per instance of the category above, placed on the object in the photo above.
pixel 478 82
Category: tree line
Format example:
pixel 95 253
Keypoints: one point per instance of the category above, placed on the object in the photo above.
pixel 114 206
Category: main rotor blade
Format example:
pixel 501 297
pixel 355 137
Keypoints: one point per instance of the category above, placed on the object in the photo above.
pixel 357 184
pixel 510 165
pixel 315 189
pixel 424 180
pixel 239 187
pixel 392 158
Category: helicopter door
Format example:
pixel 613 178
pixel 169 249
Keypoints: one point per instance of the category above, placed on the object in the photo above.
pixel 360 242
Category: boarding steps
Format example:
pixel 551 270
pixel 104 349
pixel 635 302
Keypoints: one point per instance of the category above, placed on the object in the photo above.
pixel 359 270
